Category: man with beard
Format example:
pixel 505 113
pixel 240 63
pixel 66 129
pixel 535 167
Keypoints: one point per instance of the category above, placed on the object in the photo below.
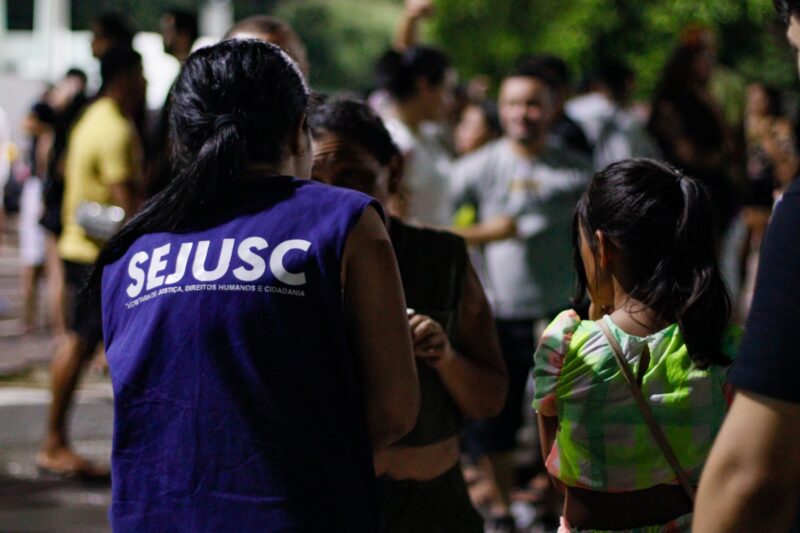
pixel 525 190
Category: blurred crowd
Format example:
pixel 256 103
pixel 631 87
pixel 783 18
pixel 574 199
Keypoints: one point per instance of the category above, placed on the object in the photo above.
pixel 502 166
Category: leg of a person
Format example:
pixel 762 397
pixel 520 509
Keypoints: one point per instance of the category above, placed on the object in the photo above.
pixel 78 346
pixel 28 281
pixel 517 343
pixel 55 286
pixel 66 369
pixel 496 437
pixel 31 239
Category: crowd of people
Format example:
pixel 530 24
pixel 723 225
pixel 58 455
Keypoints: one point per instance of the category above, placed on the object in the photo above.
pixel 325 313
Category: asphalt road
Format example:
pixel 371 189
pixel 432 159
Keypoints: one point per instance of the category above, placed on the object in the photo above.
pixel 30 501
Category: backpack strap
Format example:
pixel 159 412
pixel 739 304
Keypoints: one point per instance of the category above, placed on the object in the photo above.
pixel 647 413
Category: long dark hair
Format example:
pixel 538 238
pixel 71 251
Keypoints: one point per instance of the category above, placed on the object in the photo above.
pixel 661 221
pixel 234 103
pixel 356 122
pixel 398 72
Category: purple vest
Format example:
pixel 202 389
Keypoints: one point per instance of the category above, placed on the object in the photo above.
pixel 237 399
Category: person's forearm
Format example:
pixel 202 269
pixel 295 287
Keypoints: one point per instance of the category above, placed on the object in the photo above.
pixel 734 497
pixel 750 481
pixel 474 235
pixel 548 426
pixel 406 35
pixel 485 232
pixel 122 195
pixel 463 376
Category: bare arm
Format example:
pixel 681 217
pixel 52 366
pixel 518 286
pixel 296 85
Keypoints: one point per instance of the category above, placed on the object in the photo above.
pixel 548 426
pixel 474 374
pixel 378 327
pixel 495 229
pixel 751 481
pixel 122 195
pixel 406 35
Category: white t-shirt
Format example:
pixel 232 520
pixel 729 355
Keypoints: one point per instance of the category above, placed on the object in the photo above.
pixel 615 133
pixel 529 276
pixel 426 175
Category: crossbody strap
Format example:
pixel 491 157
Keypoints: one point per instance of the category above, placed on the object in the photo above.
pixel 647 413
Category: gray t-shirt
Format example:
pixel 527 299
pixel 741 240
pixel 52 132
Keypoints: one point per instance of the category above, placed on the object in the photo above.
pixel 531 275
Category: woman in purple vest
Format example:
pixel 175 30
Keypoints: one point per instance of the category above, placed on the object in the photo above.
pixel 254 321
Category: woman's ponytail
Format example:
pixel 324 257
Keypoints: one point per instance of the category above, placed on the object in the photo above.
pixel 234 103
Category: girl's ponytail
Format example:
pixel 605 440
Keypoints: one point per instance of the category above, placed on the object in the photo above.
pixel 703 306
pixel 661 220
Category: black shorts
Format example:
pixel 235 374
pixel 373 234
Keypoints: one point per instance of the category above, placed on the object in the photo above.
pixel 86 316
pixel 441 505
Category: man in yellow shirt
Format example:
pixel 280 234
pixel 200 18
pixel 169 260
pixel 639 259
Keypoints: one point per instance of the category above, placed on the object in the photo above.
pixel 102 163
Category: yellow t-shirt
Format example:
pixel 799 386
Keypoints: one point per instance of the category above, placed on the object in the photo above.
pixel 100 153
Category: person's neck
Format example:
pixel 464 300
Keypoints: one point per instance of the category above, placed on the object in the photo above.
pixel 528 148
pixel 182 55
pixel 124 105
pixel 634 317
pixel 409 114
pixel 261 169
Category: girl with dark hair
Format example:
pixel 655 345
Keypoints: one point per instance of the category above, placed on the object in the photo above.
pixel 420 82
pixel 455 344
pixel 644 251
pixel 254 321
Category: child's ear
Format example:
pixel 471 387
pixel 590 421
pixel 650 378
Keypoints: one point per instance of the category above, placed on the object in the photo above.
pixel 605 249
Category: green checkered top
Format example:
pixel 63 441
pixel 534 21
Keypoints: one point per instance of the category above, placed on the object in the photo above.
pixel 603 442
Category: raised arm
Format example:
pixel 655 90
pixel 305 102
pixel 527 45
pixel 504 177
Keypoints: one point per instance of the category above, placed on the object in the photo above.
pixel 407 32
pixel 378 327
pixel 473 372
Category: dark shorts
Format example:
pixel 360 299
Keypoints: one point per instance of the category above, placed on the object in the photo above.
pixel 86 318
pixel 499 434
pixel 441 505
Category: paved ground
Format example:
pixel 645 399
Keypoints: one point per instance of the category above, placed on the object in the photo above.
pixel 30 501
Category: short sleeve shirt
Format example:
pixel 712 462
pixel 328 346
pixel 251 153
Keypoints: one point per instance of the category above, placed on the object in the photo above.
pixel 102 151
pixel 768 363
pixel 529 276
pixel 426 174
pixel 603 442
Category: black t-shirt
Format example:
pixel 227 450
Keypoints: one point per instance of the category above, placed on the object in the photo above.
pixel 769 363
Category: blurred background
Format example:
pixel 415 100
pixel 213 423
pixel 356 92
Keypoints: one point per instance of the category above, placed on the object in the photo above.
pixel 41 39
pixel 741 72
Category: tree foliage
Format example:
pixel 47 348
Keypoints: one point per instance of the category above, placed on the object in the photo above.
pixel 487 37
pixel 344 38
